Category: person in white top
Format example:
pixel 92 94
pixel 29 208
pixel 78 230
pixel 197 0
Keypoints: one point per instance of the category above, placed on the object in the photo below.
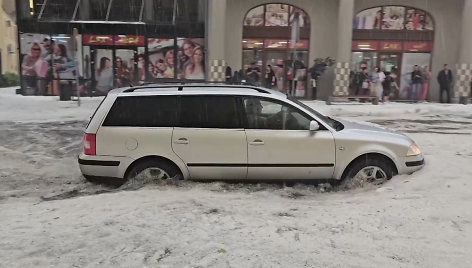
pixel 377 78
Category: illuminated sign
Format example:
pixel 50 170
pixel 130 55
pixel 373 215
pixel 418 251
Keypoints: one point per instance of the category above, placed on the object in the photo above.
pixel 253 43
pixel 416 46
pixel 129 40
pixel 97 40
pixel 391 45
pixel 109 40
pixel 364 45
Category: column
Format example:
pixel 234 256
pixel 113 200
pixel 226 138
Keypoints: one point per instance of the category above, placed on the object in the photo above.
pixel 216 24
pixel 343 59
pixel 464 66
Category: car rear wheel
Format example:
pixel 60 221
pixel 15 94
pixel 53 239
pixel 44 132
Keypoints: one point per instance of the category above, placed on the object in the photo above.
pixel 155 169
pixel 368 170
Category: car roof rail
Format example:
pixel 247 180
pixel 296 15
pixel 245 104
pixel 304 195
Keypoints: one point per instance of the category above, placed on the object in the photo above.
pixel 190 83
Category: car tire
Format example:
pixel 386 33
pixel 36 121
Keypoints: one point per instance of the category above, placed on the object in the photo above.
pixel 367 170
pixel 157 168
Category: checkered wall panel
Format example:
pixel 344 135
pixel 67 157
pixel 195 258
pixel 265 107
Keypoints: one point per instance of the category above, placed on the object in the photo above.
pixel 462 88
pixel 341 82
pixel 217 71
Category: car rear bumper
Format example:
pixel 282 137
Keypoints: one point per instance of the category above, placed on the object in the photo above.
pixel 103 166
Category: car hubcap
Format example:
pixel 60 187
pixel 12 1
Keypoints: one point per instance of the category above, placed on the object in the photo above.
pixel 155 173
pixel 371 174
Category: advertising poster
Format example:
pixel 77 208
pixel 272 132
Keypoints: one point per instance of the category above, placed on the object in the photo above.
pixel 161 58
pixel 303 19
pixel 124 67
pixel 393 18
pixel 103 71
pixel 370 19
pixel 46 63
pixel 255 17
pixel 191 58
pixel 418 20
pixel 276 15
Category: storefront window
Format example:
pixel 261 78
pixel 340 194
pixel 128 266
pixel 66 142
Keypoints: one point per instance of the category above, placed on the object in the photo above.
pixel 189 11
pixel 125 10
pixel 158 11
pixel 30 9
pixel 92 10
pixel 58 10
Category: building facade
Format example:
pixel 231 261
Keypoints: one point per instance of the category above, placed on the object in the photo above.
pixel 146 40
pixel 8 42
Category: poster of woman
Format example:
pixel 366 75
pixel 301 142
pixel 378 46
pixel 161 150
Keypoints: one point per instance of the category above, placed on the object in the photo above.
pixel 255 17
pixel 47 63
pixel 191 58
pixel 103 71
pixel 276 15
pixel 369 19
pixel 303 19
pixel 418 20
pixel 393 18
pixel 161 58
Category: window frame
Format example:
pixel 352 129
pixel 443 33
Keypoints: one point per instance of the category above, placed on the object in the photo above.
pixel 276 101
pixel 109 113
pixel 240 120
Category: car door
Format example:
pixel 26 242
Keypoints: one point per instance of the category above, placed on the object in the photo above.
pixel 280 144
pixel 210 138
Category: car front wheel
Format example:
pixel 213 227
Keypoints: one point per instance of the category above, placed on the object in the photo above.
pixel 368 170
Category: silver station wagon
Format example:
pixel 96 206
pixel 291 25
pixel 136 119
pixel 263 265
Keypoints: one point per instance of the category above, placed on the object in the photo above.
pixel 219 132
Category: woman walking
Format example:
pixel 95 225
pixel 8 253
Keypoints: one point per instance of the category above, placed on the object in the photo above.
pixel 377 79
pixel 270 79
pixel 425 85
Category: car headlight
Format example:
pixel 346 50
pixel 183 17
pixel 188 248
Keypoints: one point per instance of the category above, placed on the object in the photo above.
pixel 413 150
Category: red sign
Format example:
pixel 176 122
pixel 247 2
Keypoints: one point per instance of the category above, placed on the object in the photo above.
pixel 97 39
pixel 253 43
pixel 391 46
pixel 301 44
pixel 364 45
pixel 129 40
pixel 418 46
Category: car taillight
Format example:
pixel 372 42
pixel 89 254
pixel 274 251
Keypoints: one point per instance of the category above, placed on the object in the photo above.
pixel 90 144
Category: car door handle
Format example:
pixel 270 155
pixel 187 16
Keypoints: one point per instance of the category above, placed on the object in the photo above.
pixel 257 142
pixel 181 141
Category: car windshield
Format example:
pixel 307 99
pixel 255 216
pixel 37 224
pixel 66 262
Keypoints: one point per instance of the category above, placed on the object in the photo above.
pixel 326 119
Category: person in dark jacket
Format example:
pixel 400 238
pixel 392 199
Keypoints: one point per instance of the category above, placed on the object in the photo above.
pixel 416 82
pixel 445 82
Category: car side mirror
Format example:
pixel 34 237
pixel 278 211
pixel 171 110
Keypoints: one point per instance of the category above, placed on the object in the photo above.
pixel 314 126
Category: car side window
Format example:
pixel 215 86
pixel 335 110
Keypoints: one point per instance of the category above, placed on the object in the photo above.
pixel 266 114
pixel 209 112
pixel 143 111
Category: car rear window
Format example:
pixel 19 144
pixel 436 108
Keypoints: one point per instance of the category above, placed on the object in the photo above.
pixel 143 111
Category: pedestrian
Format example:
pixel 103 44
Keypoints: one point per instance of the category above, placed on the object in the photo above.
pixel 365 82
pixel 425 85
pixel 254 74
pixel 416 82
pixel 388 84
pixel 445 82
pixel 376 86
pixel 228 74
pixel 270 79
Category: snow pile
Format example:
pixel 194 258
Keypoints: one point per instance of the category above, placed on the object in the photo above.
pixel 421 220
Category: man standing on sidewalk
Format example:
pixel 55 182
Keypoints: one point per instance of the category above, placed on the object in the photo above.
pixel 445 82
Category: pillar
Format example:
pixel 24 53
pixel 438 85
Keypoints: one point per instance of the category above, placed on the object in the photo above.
pixel 343 59
pixel 216 40
pixel 464 65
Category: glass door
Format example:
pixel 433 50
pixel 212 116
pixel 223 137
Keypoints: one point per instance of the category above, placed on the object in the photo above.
pixel 276 60
pixel 125 67
pixel 389 61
